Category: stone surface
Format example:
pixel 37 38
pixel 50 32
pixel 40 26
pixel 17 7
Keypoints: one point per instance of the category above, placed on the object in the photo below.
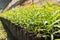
pixel 39 2
pixel 12 4
pixel 3 4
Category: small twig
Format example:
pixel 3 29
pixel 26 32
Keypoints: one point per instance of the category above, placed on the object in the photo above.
pixel 55 22
pixel 56 32
pixel 57 26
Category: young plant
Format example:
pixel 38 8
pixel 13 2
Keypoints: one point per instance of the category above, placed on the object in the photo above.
pixel 41 20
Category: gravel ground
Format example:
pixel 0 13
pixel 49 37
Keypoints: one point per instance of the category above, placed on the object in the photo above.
pixel 3 34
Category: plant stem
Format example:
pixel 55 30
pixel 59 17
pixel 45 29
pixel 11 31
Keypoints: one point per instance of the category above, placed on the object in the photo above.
pixel 52 37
